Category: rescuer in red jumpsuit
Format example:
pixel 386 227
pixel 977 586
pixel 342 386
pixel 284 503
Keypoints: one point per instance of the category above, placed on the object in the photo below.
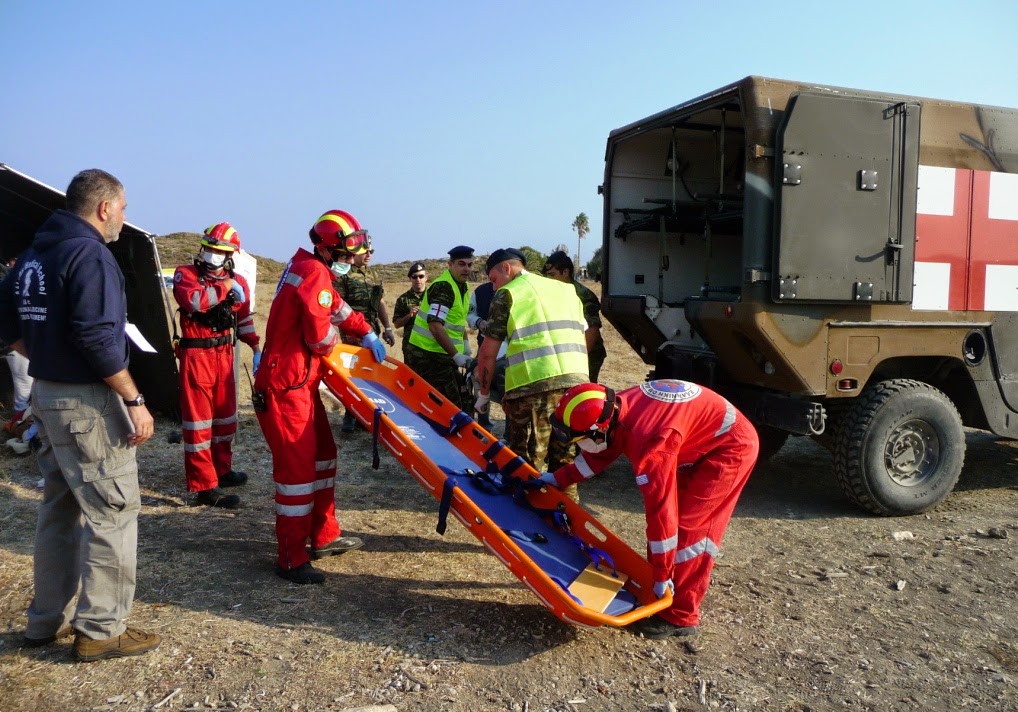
pixel 691 452
pixel 213 300
pixel 302 326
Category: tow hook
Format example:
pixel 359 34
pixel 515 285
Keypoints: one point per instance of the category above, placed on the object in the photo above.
pixel 816 418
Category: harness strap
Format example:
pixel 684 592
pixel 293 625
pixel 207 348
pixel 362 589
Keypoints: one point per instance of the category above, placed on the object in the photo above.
pixel 208 343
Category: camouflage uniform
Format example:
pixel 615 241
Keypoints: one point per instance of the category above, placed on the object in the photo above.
pixel 404 303
pixel 528 409
pixel 361 288
pixel 592 314
pixel 439 370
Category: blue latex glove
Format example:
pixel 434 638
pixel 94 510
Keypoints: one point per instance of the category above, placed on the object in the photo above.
pixel 256 362
pixel 238 290
pixel 370 341
pixel 660 587
pixel 548 478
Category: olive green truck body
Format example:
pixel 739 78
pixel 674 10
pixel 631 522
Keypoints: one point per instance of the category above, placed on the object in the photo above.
pixel 840 264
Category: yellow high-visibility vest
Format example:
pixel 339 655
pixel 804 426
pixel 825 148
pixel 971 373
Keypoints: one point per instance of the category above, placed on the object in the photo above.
pixel 455 322
pixel 545 332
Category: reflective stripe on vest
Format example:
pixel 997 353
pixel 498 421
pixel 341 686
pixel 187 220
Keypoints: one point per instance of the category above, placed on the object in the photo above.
pixel 546 336
pixel 455 322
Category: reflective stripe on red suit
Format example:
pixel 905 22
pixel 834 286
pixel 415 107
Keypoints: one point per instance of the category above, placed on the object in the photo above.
pixel 692 452
pixel 208 391
pixel 302 325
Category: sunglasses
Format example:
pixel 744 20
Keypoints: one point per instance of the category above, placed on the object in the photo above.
pixel 418 276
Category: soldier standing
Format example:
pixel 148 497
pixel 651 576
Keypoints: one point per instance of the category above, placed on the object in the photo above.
pixel 409 302
pixel 361 288
pixel 559 266
pixel 542 321
pixel 437 348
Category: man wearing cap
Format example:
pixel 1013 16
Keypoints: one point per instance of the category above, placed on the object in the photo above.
pixel 559 266
pixel 542 320
pixel 409 302
pixel 437 348
pixel 362 289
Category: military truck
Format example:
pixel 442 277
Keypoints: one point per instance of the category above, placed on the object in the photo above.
pixel 841 264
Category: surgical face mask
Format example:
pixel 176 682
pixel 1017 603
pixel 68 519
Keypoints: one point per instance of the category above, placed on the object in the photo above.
pixel 339 268
pixel 213 259
pixel 588 445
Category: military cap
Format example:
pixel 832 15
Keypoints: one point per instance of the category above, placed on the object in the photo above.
pixel 502 254
pixel 461 252
pixel 558 260
pixel 415 268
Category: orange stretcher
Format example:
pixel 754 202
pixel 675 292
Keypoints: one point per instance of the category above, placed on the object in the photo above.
pixel 574 565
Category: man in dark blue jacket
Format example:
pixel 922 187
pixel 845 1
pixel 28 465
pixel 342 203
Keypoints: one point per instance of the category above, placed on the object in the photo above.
pixel 63 306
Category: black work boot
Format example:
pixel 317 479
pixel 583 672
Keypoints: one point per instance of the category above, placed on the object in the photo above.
pixel 233 478
pixel 339 545
pixel 657 628
pixel 215 497
pixel 303 574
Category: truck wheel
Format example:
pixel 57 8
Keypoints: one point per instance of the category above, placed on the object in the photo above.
pixel 771 440
pixel 900 448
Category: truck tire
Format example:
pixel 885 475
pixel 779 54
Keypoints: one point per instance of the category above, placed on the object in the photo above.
pixel 900 448
pixel 771 440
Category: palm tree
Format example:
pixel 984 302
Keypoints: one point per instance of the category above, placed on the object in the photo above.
pixel 582 227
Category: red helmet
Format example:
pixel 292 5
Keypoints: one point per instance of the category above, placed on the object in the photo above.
pixel 221 236
pixel 583 411
pixel 339 230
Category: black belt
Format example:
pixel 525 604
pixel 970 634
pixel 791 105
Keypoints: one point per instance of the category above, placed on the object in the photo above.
pixel 206 343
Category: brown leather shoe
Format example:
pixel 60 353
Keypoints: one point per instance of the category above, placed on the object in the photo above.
pixel 131 642
pixel 64 632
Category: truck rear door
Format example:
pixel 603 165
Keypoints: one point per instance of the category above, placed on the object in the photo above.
pixel 846 185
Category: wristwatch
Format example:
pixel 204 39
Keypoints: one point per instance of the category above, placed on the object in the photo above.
pixel 140 400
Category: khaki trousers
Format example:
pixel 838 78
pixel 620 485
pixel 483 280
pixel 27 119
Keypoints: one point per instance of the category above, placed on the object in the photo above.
pixel 87 530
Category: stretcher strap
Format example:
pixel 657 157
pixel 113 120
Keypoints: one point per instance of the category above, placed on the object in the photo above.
pixel 598 556
pixel 375 459
pixel 506 470
pixel 444 504
pixel 457 423
pixel 564 587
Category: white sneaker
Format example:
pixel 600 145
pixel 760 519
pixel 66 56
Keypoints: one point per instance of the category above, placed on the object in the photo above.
pixel 18 447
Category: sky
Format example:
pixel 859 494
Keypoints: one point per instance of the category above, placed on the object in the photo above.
pixel 435 123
